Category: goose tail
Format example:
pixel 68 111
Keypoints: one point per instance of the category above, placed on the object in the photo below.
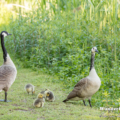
pixel 65 100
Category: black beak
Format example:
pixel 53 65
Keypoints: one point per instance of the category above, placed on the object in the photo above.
pixel 9 34
pixel 96 50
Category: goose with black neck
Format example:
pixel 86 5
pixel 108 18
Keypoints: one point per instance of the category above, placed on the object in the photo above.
pixel 87 86
pixel 8 70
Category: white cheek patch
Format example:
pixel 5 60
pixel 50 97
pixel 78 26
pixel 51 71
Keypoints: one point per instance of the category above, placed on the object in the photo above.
pixel 4 34
pixel 93 49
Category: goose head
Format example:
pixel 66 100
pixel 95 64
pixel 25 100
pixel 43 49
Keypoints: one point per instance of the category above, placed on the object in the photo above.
pixel 40 95
pixel 5 33
pixel 48 94
pixel 94 49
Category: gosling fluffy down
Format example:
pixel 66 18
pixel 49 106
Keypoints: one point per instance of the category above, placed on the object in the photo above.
pixel 49 95
pixel 39 102
pixel 30 88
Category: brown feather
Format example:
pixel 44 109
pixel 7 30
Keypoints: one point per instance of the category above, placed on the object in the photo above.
pixel 82 85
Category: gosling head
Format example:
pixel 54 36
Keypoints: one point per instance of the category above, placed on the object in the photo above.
pixel 48 94
pixel 5 33
pixel 94 49
pixel 40 95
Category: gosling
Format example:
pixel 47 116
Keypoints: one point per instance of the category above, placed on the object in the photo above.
pixel 49 95
pixel 39 102
pixel 30 88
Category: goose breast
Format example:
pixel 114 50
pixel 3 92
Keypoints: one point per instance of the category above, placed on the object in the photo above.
pixel 7 76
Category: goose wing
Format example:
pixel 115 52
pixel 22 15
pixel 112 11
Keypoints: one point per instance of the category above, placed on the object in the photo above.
pixel 78 88
pixel 82 83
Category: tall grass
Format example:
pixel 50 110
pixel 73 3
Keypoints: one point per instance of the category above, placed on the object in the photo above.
pixel 57 36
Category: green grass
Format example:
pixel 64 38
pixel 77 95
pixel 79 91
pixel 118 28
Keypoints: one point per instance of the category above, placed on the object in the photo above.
pixel 21 105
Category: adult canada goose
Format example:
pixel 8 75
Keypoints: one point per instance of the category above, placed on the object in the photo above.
pixel 49 95
pixel 8 70
pixel 87 86
pixel 39 102
pixel 30 88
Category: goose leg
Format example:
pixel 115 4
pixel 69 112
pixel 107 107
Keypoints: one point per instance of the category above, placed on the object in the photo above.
pixel 5 96
pixel 90 103
pixel 84 102
pixel 5 100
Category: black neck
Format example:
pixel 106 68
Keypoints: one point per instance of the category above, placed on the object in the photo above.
pixel 3 48
pixel 92 61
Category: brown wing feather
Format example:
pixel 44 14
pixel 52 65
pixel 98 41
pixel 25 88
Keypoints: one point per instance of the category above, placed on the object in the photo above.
pixel 76 92
pixel 72 94
pixel 82 82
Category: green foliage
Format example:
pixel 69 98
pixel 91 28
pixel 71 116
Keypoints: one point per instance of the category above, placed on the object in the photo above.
pixel 59 41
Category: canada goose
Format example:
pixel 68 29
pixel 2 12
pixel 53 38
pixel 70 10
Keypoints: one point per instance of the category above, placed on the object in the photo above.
pixel 87 86
pixel 30 88
pixel 49 95
pixel 39 102
pixel 8 70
